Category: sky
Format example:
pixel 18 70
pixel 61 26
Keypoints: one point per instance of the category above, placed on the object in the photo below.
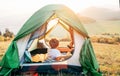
pixel 14 13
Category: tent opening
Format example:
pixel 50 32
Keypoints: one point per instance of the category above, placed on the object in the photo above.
pixel 39 44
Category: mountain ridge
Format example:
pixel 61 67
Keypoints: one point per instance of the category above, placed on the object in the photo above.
pixel 98 13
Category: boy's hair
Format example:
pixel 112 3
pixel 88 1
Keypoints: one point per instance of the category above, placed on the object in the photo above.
pixel 54 43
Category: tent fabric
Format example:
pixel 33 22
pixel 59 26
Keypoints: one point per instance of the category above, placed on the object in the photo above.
pixel 5 71
pixel 39 32
pixel 45 13
pixel 22 45
pixel 88 59
pixel 11 58
pixel 78 42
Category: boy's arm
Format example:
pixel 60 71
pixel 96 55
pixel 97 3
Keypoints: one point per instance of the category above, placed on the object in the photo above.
pixel 61 58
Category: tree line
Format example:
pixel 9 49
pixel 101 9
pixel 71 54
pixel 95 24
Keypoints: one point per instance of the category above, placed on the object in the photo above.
pixel 7 35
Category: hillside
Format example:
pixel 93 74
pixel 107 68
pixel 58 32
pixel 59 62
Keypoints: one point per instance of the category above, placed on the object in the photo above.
pixel 100 27
pixel 85 20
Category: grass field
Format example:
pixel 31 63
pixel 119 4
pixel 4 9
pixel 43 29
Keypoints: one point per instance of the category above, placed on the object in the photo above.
pixel 3 47
pixel 108 56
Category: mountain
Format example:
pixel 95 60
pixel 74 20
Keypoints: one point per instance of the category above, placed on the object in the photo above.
pixel 101 13
pixel 85 20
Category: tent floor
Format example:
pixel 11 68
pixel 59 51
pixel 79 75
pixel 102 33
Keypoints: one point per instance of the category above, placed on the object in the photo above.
pixel 48 70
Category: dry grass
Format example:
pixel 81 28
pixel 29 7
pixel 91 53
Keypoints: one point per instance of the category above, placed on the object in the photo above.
pixel 3 47
pixel 108 56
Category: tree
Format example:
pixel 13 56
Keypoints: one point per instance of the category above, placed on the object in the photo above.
pixel 8 33
pixel 0 33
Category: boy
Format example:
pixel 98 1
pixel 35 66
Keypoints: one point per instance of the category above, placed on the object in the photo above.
pixel 54 53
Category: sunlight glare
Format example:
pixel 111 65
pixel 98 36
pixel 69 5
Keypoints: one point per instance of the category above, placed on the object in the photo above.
pixel 52 23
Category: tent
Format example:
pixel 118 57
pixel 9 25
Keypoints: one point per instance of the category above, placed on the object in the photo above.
pixel 18 59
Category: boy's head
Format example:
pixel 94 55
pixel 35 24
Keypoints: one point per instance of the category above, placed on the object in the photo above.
pixel 54 43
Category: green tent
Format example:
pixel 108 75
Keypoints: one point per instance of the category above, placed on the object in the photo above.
pixel 17 53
